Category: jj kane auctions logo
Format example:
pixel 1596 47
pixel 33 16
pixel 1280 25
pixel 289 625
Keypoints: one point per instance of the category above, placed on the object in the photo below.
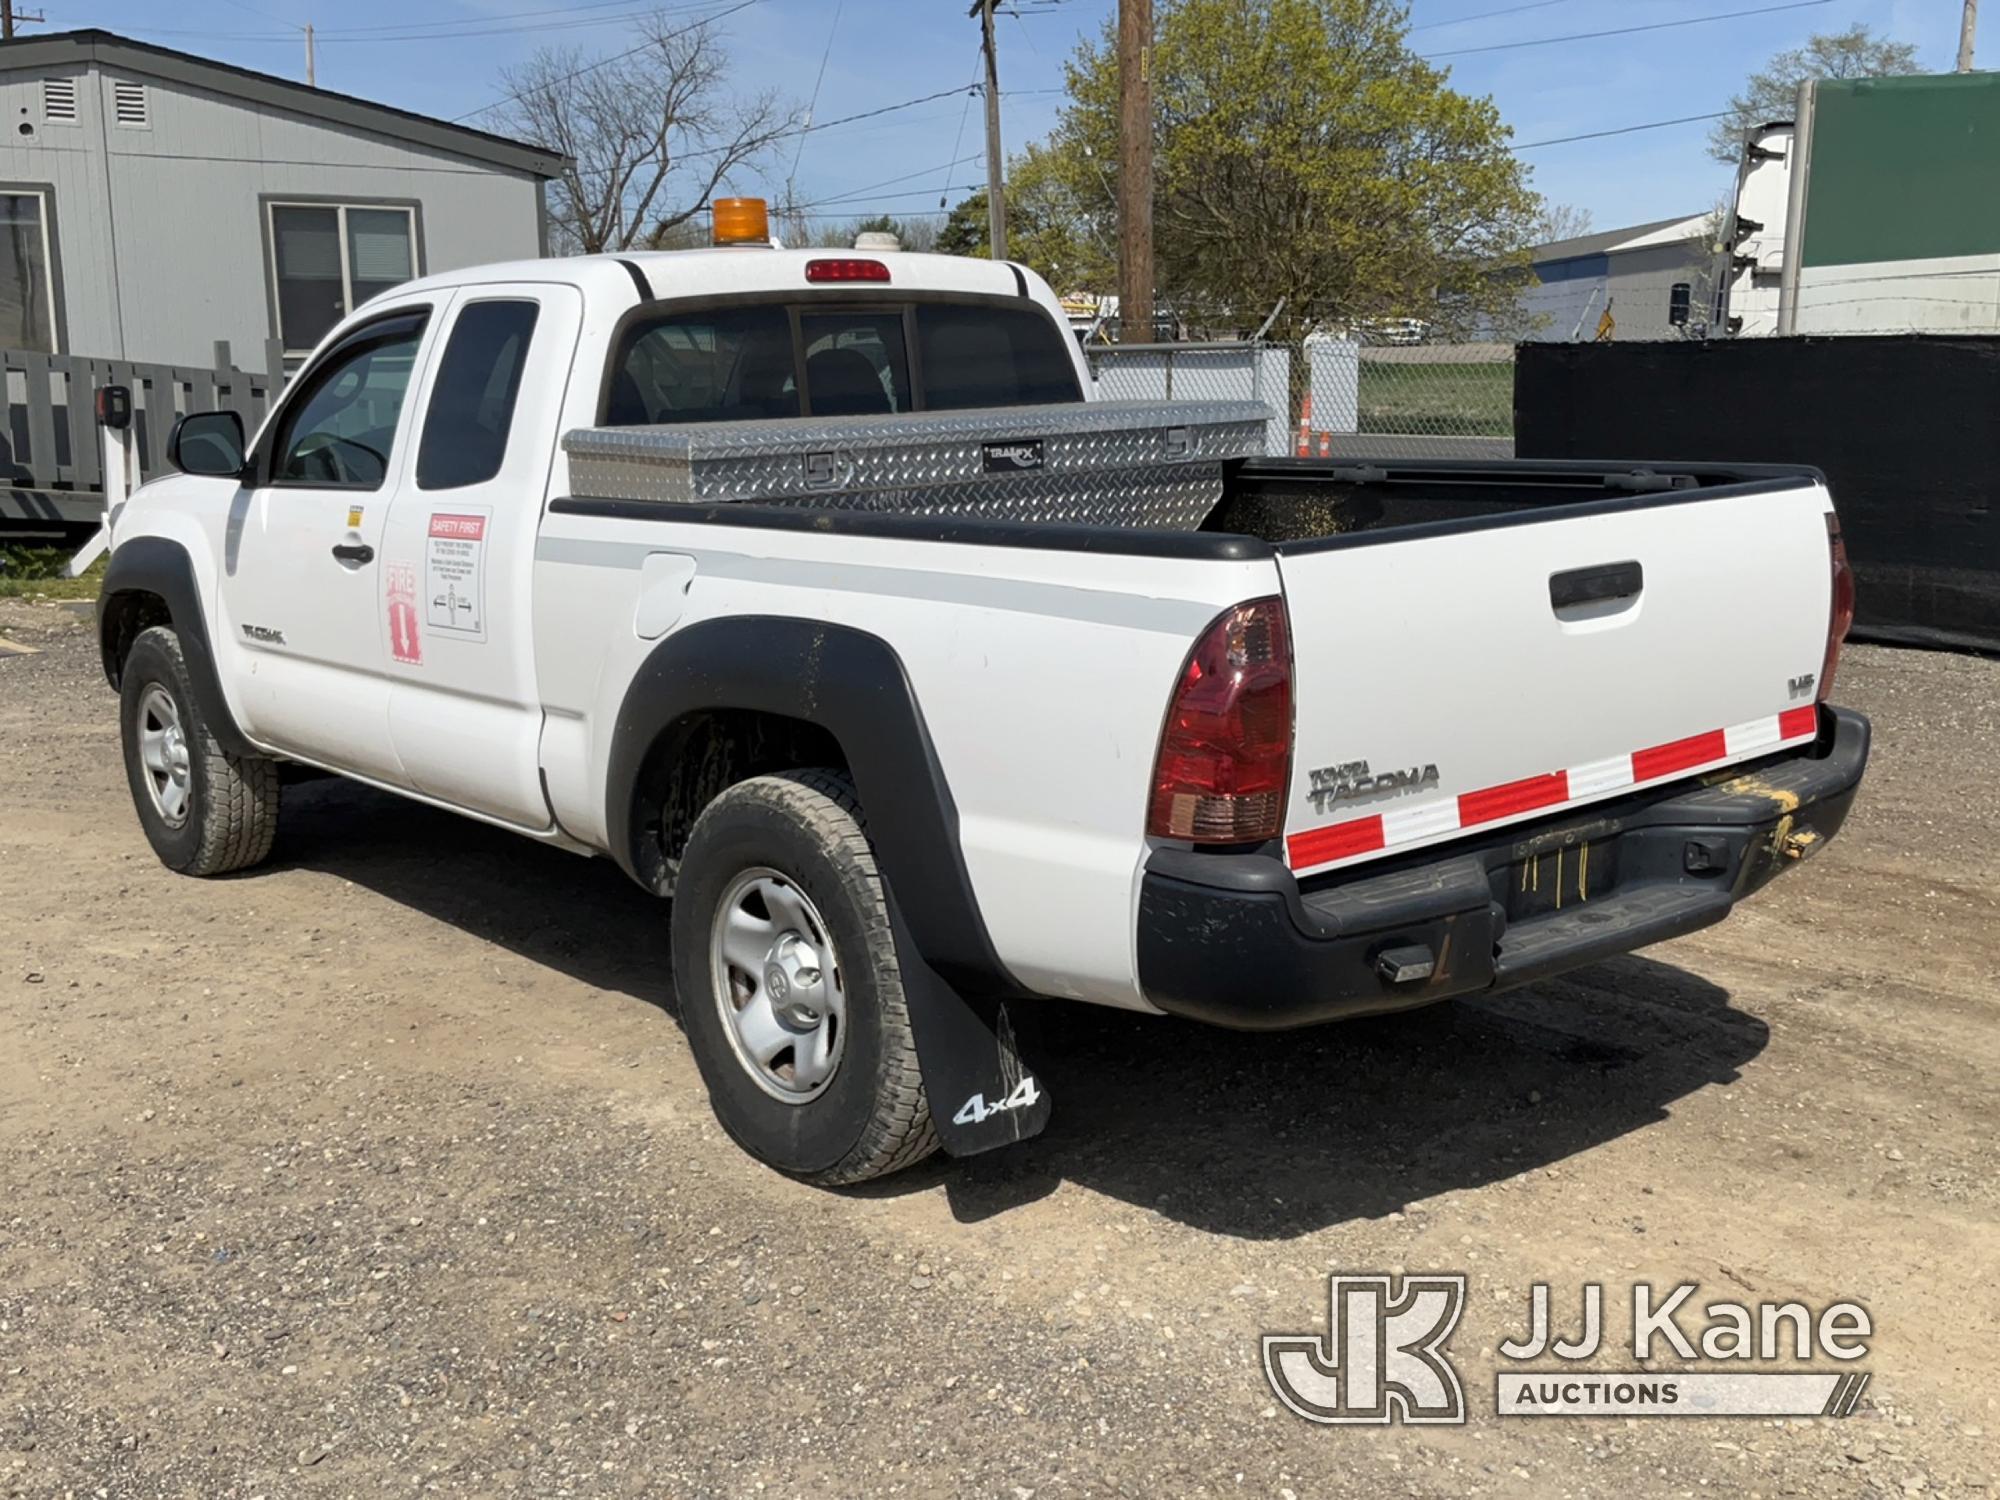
pixel 1384 1357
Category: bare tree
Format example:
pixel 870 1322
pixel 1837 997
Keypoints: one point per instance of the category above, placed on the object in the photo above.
pixel 1770 95
pixel 651 133
pixel 1560 221
pixel 918 234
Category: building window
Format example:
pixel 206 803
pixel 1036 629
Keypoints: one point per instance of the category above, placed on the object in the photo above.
pixel 329 258
pixel 27 282
pixel 1679 299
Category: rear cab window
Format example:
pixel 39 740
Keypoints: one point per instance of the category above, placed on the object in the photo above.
pixel 785 356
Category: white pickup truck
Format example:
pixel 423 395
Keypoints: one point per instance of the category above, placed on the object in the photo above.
pixel 814 589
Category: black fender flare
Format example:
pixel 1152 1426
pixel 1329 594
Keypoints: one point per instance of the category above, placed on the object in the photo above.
pixel 852 685
pixel 160 567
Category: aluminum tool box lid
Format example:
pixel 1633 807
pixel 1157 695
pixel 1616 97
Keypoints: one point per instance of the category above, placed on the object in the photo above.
pixel 1108 463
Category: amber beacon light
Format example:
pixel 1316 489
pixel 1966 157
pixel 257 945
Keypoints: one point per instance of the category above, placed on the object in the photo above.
pixel 741 221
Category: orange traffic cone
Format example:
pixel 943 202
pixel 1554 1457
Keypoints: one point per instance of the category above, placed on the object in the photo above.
pixel 1305 425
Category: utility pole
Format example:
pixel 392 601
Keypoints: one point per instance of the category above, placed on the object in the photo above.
pixel 1968 23
pixel 996 185
pixel 1135 171
pixel 8 17
pixel 311 81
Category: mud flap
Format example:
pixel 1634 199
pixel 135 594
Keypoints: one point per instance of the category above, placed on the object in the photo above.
pixel 981 1095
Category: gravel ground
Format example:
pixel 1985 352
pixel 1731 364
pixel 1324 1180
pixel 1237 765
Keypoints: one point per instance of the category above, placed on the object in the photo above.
pixel 385 1168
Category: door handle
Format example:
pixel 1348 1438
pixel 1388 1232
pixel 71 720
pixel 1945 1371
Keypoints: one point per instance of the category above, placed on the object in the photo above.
pixel 355 553
pixel 1594 585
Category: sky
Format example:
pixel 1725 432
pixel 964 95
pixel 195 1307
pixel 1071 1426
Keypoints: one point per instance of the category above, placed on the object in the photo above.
pixel 844 57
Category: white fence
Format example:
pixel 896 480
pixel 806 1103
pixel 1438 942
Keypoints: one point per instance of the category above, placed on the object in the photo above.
pixel 1200 372
pixel 1416 401
pixel 51 460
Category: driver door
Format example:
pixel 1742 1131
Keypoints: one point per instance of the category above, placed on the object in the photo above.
pixel 301 588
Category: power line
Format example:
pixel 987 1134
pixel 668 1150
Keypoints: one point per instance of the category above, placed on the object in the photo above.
pixel 829 209
pixel 605 62
pixel 419 31
pixel 957 140
pixel 862 192
pixel 1487 15
pixel 263 15
pixel 618 18
pixel 510 15
pixel 818 79
pixel 1585 36
pixel 866 114
pixel 1592 135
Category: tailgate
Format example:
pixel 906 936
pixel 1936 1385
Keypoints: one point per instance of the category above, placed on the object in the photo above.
pixel 1476 674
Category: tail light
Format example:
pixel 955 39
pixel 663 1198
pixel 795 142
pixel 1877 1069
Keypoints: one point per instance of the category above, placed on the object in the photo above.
pixel 1226 752
pixel 1840 613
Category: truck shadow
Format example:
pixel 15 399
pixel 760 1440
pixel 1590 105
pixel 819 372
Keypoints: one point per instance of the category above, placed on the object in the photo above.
pixel 1268 1136
pixel 1259 1136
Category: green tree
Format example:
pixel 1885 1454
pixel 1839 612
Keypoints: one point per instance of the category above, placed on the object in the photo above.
pixel 1302 152
pixel 1056 223
pixel 1772 94
pixel 964 231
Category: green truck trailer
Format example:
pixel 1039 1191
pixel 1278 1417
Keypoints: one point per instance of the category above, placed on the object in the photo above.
pixel 1876 209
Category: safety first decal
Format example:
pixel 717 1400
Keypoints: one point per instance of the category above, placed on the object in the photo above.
pixel 455 573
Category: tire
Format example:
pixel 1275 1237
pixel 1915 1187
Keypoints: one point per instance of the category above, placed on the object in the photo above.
pixel 208 812
pixel 799 834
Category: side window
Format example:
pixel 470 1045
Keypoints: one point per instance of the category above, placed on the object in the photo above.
pixel 338 431
pixel 722 365
pixel 472 399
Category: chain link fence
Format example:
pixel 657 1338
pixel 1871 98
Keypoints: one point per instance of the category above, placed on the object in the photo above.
pixel 1335 397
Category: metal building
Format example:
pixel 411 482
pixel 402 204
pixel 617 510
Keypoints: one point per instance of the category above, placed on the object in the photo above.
pixel 153 202
pixel 1653 278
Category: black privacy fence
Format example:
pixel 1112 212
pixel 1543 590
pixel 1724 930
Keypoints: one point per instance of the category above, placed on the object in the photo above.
pixel 1906 429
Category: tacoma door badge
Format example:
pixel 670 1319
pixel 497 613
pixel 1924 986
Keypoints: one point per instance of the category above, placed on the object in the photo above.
pixel 1354 782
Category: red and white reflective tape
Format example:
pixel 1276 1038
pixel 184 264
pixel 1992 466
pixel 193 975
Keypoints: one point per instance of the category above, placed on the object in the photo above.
pixel 1493 804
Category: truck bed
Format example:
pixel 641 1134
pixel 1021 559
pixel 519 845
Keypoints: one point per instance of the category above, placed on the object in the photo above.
pixel 1286 501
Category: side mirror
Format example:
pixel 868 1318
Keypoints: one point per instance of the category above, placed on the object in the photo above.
pixel 207 442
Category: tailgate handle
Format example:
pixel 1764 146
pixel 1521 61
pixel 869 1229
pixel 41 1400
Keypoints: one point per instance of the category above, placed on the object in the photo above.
pixel 1593 585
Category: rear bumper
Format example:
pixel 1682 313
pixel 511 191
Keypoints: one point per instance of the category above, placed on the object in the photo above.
pixel 1235 940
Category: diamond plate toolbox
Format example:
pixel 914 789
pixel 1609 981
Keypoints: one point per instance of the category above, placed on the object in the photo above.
pixel 1107 463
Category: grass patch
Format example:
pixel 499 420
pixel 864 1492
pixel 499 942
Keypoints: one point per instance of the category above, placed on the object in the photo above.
pixel 1455 400
pixel 37 573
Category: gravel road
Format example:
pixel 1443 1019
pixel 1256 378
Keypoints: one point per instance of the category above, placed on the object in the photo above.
pixel 385 1169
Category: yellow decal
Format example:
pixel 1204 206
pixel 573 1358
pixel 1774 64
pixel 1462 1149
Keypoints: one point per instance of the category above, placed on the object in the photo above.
pixel 353 517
